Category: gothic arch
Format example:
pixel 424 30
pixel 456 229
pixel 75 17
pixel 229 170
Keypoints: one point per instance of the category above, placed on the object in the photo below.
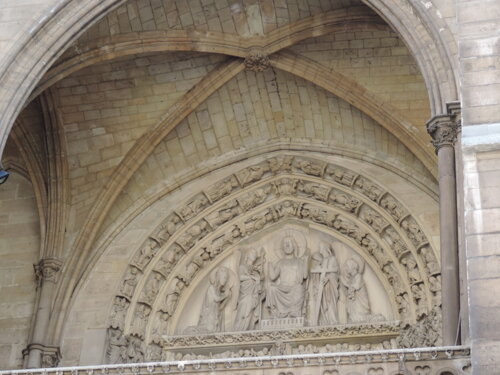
pixel 39 48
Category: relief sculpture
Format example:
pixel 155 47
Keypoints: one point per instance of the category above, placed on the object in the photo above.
pixel 286 291
pixel 324 285
pixel 212 310
pixel 251 292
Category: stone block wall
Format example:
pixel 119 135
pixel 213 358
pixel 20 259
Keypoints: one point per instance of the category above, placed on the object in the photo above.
pixel 19 246
pixel 479 45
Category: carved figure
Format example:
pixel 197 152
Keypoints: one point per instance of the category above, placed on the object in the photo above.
pixel 286 291
pixel 251 293
pixel 344 201
pixel 419 297
pixel 324 286
pixel 369 189
pixel 173 297
pixel 377 222
pixel 224 214
pixel 313 190
pixel 130 281
pixel 152 288
pixel 153 353
pixel 134 352
pixel 348 228
pixel 413 231
pixel 309 167
pixel 115 352
pixel 147 252
pixel 161 325
pixel 397 244
pixel 408 261
pixel 253 199
pixel 168 260
pixel 287 208
pixel 251 174
pixel 168 229
pixel 212 311
pixel 393 207
pixel 285 186
pixel 194 207
pixel 280 164
pixel 357 302
pixel 340 175
pixel 191 269
pixel 430 260
pixel 141 316
pixel 119 311
pixel 223 188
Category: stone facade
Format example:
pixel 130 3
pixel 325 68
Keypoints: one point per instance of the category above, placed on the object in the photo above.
pixel 151 142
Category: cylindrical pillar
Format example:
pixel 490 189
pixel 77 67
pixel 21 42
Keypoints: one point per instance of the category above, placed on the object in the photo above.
pixel 47 271
pixel 443 130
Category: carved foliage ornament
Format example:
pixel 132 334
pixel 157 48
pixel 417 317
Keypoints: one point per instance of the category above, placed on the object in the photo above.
pixel 444 129
pixel 257 61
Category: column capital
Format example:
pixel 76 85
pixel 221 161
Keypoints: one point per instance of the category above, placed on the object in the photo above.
pixel 47 269
pixel 444 129
pixel 50 355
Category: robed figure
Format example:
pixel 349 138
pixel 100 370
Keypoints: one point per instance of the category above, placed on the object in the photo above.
pixel 216 297
pixel 251 293
pixel 357 302
pixel 324 287
pixel 286 291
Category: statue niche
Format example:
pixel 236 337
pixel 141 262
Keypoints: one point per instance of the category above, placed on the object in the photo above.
pixel 295 287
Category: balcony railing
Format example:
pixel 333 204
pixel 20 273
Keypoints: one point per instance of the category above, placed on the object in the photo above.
pixel 438 360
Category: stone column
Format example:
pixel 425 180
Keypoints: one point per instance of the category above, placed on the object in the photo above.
pixel 39 354
pixel 443 130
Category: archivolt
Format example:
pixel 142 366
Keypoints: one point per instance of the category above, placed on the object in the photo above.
pixel 218 218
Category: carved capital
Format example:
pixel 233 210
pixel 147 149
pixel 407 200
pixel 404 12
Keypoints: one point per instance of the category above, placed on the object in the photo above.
pixel 444 129
pixel 257 61
pixel 49 355
pixel 47 269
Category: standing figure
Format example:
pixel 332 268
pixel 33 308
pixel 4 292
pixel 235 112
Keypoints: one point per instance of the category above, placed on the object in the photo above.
pixel 357 303
pixel 216 297
pixel 286 292
pixel 251 294
pixel 324 286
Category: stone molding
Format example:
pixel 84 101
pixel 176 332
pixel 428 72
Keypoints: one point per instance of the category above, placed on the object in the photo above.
pixel 340 332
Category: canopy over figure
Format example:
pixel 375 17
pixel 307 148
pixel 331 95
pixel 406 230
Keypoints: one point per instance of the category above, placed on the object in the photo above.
pixel 212 311
pixel 324 286
pixel 286 291
pixel 251 293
